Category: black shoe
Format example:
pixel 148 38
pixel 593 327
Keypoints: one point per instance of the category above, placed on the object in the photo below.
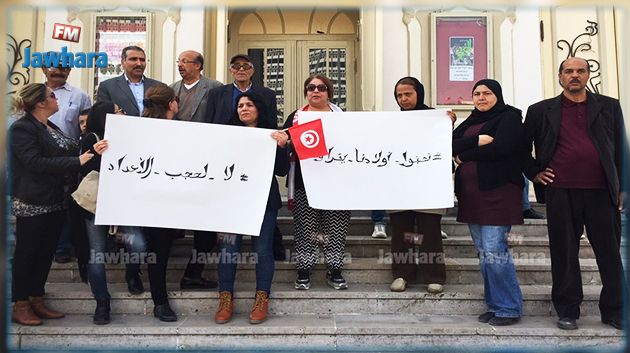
pixel 196 283
pixel 303 280
pixel 164 313
pixel 485 317
pixel 533 214
pixel 614 323
pixel 503 321
pixel 63 257
pixel 279 254
pixel 101 314
pixel 134 283
pixel 566 323
pixel 336 280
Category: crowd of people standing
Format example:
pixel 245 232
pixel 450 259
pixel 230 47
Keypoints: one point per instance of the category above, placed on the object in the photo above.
pixel 577 169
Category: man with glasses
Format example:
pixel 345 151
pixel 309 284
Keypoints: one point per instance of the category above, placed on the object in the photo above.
pixel 127 90
pixel 71 101
pixel 221 100
pixel 193 88
pixel 192 91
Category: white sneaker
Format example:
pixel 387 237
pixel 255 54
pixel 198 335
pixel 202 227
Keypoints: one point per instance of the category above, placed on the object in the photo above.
pixel 399 285
pixel 435 288
pixel 379 231
pixel 444 235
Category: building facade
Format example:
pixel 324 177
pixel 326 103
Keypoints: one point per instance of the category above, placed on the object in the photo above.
pixel 363 50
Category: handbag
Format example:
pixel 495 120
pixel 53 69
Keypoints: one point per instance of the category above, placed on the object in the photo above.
pixel 86 192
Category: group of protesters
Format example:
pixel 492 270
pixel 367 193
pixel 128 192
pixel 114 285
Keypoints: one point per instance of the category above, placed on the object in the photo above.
pixel 577 170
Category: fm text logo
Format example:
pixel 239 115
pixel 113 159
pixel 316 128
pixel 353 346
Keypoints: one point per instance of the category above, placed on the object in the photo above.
pixel 66 32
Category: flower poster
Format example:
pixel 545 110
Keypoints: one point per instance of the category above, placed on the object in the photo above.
pixel 462 59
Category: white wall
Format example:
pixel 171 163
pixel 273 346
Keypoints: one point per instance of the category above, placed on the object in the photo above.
pixel 394 55
pixel 527 70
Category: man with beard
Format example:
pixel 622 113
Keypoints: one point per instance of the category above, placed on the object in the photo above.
pixel 192 91
pixel 127 90
pixel 579 142
pixel 71 101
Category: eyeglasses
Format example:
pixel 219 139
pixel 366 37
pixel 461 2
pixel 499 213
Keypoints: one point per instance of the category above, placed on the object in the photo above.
pixel 185 61
pixel 321 87
pixel 245 66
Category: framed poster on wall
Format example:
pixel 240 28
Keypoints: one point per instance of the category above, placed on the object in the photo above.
pixel 114 31
pixel 461 55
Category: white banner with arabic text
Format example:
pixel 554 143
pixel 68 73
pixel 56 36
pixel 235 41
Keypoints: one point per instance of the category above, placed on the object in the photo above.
pixel 381 161
pixel 185 175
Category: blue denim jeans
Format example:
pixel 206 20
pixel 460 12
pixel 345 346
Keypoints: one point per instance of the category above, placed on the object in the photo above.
pixel 230 245
pixel 502 292
pixel 378 217
pixel 97 236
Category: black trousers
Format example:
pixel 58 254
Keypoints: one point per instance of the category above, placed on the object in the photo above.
pixel 35 244
pixel 568 212
pixel 417 250
pixel 159 241
pixel 203 242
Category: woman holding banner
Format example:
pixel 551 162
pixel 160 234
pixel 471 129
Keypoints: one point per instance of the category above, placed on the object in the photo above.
pixel 417 230
pixel 251 112
pixel 132 238
pixel 160 102
pixel 313 226
pixel 488 185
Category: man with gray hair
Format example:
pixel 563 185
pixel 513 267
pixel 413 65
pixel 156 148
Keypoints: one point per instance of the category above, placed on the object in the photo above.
pixel 192 91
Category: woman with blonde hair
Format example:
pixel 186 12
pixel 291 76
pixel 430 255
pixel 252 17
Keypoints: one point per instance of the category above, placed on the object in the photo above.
pixel 41 157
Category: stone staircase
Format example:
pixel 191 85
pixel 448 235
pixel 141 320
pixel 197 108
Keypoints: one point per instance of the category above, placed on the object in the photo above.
pixel 366 317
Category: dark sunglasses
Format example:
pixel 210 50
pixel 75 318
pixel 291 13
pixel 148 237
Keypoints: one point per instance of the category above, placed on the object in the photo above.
pixel 241 66
pixel 311 87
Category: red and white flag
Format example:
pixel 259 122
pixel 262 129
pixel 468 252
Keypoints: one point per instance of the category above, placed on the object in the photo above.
pixel 308 139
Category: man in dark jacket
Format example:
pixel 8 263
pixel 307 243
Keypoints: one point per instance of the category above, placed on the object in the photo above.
pixel 127 90
pixel 221 100
pixel 579 141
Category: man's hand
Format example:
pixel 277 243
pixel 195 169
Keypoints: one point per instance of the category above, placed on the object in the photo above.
pixel 545 177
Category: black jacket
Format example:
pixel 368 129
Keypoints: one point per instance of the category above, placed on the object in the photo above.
pixel 498 163
pixel 605 127
pixel 38 164
pixel 220 109
pixel 281 168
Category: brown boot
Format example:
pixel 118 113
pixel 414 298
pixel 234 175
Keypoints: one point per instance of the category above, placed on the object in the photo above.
pixel 24 315
pixel 226 306
pixel 39 308
pixel 261 306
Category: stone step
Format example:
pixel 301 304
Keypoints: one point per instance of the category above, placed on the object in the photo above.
pixel 286 333
pixel 363 225
pixel 76 298
pixel 530 270
pixel 366 246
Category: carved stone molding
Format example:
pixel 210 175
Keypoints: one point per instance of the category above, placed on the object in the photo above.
pixel 582 43
pixel 17 76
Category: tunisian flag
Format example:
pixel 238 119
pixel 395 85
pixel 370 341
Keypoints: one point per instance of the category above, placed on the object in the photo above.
pixel 308 139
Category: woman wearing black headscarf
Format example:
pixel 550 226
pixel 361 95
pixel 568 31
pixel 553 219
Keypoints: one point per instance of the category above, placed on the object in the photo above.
pixel 488 185
pixel 411 229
